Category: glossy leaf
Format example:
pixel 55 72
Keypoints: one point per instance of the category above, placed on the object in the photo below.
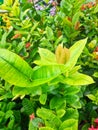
pixel 49 117
pixel 60 113
pixel 95 74
pixel 70 99
pixel 71 113
pixel 71 90
pixel 17 72
pixel 91 96
pixel 77 79
pixel 46 128
pixel 49 33
pixel 14 69
pixel 75 52
pixel 70 123
pixel 46 73
pixel 57 102
pixel 47 57
pixel 43 98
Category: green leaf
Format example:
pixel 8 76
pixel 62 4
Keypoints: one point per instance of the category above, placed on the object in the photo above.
pixel 46 128
pixel 47 57
pixel 75 52
pixel 46 73
pixel 71 113
pixel 86 126
pixel 49 33
pixel 76 105
pixel 45 113
pixel 91 96
pixel 95 74
pixel 76 16
pixel 11 124
pixel 71 90
pixel 96 9
pixel 66 6
pixel 20 91
pixel 77 79
pixel 70 99
pixel 68 129
pixel 36 122
pixel 73 100
pixel 69 124
pixel 28 106
pixel 49 117
pixel 17 72
pixel 3 40
pixel 2 114
pixel 60 113
pixel 43 98
pixel 8 114
pixel 31 127
pixel 14 69
pixel 34 27
pixel 57 102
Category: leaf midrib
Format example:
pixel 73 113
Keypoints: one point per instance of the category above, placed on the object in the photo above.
pixel 16 69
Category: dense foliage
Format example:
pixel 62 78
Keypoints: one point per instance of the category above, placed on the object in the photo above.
pixel 48 65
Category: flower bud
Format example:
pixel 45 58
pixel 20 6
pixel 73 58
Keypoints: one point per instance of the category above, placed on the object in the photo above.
pixel 62 54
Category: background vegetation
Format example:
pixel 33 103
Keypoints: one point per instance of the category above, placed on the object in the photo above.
pixel 48 65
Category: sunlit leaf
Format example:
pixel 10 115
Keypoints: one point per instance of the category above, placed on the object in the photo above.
pixel 70 123
pixel 78 79
pixel 75 52
pixel 47 57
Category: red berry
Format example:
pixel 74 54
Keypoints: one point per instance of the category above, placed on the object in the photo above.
pixel 27 44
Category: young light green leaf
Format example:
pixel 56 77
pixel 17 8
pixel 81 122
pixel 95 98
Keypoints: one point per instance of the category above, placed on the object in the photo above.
pixel 47 57
pixel 46 73
pixel 70 123
pixel 14 69
pixel 95 74
pixel 78 79
pixel 49 33
pixel 17 72
pixel 75 52
pixel 46 128
pixel 20 91
pixel 49 117
pixel 91 96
